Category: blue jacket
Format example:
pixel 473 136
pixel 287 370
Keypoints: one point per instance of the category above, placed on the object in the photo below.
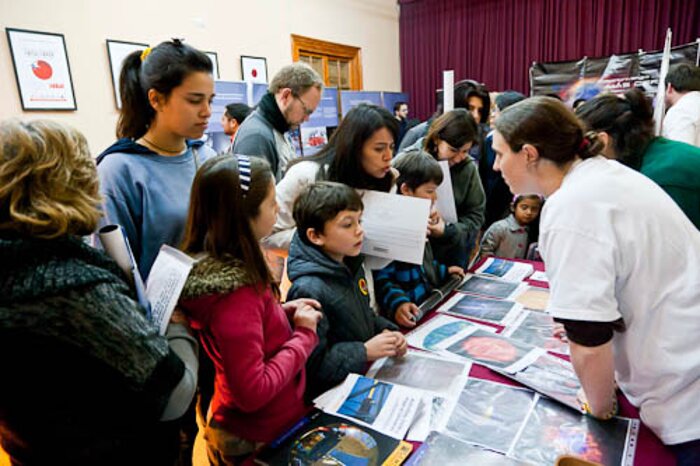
pixel 401 282
pixel 348 319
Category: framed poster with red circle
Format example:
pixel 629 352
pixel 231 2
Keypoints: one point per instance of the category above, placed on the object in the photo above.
pixel 42 70
pixel 254 69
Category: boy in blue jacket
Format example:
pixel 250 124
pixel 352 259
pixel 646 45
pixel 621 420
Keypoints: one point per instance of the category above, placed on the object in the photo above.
pixel 325 264
pixel 400 287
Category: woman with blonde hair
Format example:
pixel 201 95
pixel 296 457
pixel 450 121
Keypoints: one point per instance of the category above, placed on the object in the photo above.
pixel 89 379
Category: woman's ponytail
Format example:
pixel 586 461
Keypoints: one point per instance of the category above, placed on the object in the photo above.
pixel 136 112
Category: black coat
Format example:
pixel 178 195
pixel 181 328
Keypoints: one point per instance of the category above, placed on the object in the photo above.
pixel 348 319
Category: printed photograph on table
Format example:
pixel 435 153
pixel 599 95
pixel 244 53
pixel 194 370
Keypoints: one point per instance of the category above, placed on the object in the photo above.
pixel 42 70
pixel 495 351
pixel 554 377
pixel 552 430
pixel 443 450
pixel 505 269
pixel 488 287
pixel 324 439
pixel 366 400
pixel 536 328
pixel 486 309
pixel 422 371
pixel 431 334
pixel 489 414
pixel 534 298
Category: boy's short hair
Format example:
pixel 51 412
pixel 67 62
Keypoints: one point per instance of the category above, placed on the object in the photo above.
pixel 320 203
pixel 238 112
pixel 416 167
pixel 684 77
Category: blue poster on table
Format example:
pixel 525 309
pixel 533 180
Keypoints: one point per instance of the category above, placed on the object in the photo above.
pixel 227 92
pixel 350 99
pixel 259 90
pixel 313 132
pixel 390 98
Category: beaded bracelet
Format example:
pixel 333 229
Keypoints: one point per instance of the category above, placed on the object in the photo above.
pixel 612 413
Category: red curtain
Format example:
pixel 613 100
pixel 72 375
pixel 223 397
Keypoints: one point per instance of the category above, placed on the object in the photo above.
pixel 495 41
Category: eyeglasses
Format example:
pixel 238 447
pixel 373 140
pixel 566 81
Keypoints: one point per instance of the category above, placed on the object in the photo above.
pixel 307 112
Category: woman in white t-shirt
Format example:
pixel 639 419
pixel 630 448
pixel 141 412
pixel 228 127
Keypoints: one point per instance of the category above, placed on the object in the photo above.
pixel 624 268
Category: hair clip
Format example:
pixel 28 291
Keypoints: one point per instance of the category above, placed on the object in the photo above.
pixel 146 52
pixel 244 172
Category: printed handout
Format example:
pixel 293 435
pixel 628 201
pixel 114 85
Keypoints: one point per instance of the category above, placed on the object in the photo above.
pixel 534 297
pixel 552 430
pixel 491 350
pixel 165 282
pixel 423 371
pixel 443 450
pixel 490 288
pixel 431 334
pixel 445 196
pixel 395 226
pixel 551 376
pixel 489 414
pixel 536 328
pixel 385 407
pixel 441 379
pixel 505 270
pixel 495 311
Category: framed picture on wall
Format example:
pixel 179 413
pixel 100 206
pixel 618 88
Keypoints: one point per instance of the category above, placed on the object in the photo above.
pixel 117 51
pixel 215 61
pixel 254 69
pixel 42 70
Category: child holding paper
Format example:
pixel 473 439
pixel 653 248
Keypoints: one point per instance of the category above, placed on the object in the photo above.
pixel 325 263
pixel 450 138
pixel 401 287
pixel 509 238
pixel 230 297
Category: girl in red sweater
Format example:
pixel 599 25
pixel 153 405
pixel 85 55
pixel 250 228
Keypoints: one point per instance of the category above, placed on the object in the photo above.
pixel 232 301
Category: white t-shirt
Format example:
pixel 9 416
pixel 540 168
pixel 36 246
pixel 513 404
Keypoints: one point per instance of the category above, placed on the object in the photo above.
pixel 616 245
pixel 682 121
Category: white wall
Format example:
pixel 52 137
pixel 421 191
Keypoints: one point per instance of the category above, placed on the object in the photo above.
pixel 231 28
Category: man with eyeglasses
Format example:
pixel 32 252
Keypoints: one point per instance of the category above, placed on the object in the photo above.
pixel 293 95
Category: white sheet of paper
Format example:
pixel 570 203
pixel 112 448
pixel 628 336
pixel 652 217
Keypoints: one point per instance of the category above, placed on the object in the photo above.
pixel 539 276
pixel 165 283
pixel 395 226
pixel 448 90
pixel 419 367
pixel 430 334
pixel 116 245
pixel 445 196
pixel 503 269
pixel 386 408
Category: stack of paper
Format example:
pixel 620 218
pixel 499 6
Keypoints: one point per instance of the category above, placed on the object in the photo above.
pixel 384 407
pixel 440 380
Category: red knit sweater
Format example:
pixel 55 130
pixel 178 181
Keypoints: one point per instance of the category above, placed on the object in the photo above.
pixel 259 361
